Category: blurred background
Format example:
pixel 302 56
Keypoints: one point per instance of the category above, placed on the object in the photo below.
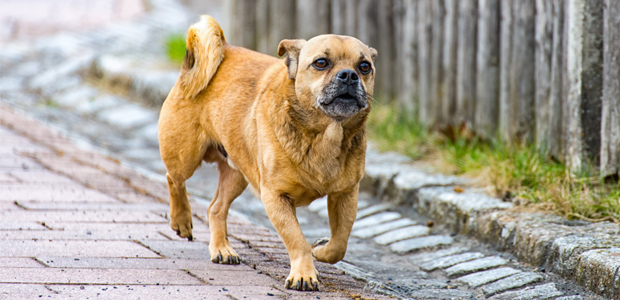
pixel 522 96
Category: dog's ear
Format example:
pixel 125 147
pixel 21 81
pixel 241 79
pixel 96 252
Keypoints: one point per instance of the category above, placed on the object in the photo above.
pixel 373 53
pixel 291 49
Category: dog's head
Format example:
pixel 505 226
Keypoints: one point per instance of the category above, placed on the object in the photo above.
pixel 333 74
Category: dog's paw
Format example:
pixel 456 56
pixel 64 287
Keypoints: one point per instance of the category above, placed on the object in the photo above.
pixel 301 282
pixel 324 251
pixel 183 226
pixel 224 255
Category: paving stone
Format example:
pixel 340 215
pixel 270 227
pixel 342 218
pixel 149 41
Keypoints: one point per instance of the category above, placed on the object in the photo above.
pixel 13 248
pixel 128 116
pixel 402 234
pixel 75 97
pixel 135 263
pixel 24 291
pixel 36 205
pixel 19 262
pixel 232 278
pixel 325 214
pixel 449 261
pixel 21 225
pixel 425 257
pixel 120 227
pixel 371 210
pixel 171 292
pixel 92 234
pixel 42 176
pixel 96 276
pixel 598 270
pixel 480 264
pixel 541 292
pixel 28 192
pixel 512 282
pixel 372 231
pixel 376 220
pixel 83 216
pixel 179 249
pixel 575 297
pixel 440 294
pixel 98 104
pixel 484 277
pixel 420 243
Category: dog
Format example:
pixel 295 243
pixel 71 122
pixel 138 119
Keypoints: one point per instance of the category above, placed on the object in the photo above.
pixel 293 128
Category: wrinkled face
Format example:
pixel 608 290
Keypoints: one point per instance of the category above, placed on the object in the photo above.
pixel 333 74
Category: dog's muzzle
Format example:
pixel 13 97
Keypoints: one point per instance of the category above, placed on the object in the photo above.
pixel 343 97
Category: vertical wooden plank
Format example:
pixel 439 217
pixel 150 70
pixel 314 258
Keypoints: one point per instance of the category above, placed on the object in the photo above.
pixel 449 65
pixel 436 56
pixel 610 127
pixel 544 41
pixel 555 136
pixel 367 23
pixel 386 46
pixel 398 16
pixel 244 19
pixel 282 22
pixel 262 27
pixel 584 57
pixel 425 19
pixel 522 88
pixel 466 62
pixel 350 11
pixel 487 71
pixel 338 16
pixel 409 59
pixel 505 62
pixel 313 18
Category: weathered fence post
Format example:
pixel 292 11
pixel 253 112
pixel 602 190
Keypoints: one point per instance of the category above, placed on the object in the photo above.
pixel 610 134
pixel 281 22
pixel 544 41
pixel 584 82
pixel 522 110
pixel 466 62
pixel 436 57
pixel 555 117
pixel 262 27
pixel 487 71
pixel 244 14
pixel 425 13
pixel 339 17
pixel 505 61
pixel 409 59
pixel 449 65
pixel 386 45
pixel 398 16
pixel 313 18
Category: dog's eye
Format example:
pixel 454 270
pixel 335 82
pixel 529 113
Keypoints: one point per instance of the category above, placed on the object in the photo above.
pixel 320 64
pixel 364 68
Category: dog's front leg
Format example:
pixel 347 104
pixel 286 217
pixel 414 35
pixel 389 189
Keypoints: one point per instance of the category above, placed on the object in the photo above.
pixel 342 209
pixel 281 212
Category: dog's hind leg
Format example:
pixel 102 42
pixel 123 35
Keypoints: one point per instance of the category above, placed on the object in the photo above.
pixel 231 184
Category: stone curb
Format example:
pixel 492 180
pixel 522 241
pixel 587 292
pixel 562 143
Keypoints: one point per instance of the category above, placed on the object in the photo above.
pixel 586 252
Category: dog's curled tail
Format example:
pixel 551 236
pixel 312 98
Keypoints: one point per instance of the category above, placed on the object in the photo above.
pixel 204 54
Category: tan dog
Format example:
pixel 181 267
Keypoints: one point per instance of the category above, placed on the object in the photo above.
pixel 294 129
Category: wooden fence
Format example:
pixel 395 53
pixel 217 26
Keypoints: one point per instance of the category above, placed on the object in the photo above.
pixel 529 71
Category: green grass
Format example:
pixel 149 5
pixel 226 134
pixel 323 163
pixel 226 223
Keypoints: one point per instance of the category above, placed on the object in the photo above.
pixel 175 48
pixel 518 172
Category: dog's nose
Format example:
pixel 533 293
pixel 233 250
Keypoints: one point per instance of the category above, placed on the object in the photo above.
pixel 348 76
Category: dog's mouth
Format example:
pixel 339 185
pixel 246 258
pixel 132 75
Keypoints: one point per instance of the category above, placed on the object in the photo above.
pixel 343 105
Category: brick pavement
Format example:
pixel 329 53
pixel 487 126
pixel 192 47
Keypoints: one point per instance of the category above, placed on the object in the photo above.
pixel 78 224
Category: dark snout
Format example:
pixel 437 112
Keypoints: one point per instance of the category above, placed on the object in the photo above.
pixel 348 77
pixel 344 96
